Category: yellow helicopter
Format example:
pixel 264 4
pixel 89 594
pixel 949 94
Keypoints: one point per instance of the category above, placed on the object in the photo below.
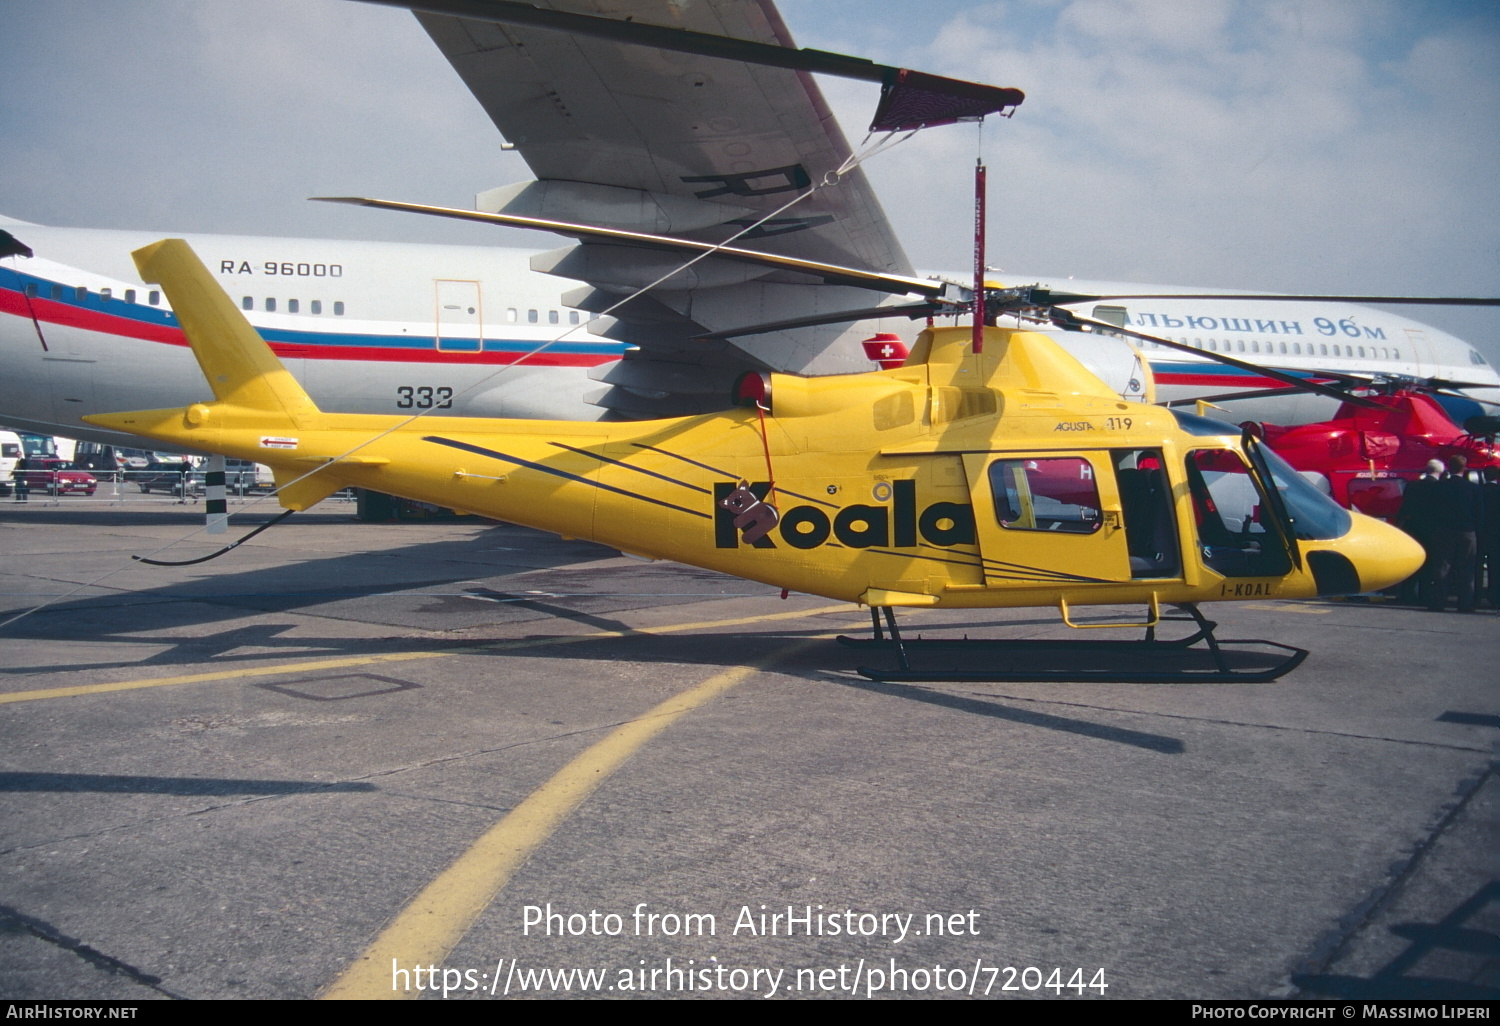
pixel 1008 477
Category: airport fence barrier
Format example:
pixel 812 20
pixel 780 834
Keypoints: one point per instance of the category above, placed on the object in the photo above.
pixel 179 486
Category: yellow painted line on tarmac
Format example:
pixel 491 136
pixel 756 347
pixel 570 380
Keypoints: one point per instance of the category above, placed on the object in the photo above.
pixel 1303 607
pixel 313 665
pixel 198 678
pixel 432 923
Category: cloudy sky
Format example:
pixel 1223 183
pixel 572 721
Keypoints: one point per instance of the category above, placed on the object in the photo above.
pixel 1298 145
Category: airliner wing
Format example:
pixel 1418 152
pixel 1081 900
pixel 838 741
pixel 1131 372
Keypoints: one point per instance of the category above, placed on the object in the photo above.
pixel 648 140
pixel 728 138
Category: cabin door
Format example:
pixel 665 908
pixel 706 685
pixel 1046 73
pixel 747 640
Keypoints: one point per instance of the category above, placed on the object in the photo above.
pixel 460 318
pixel 1047 518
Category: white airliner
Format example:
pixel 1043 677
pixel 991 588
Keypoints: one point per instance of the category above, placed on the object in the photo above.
pixel 474 331
pixel 698 147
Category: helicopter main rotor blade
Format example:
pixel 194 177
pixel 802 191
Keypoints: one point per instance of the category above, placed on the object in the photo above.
pixel 911 311
pixel 1224 397
pixel 1427 386
pixel 1069 298
pixel 1440 383
pixel 1067 318
pixel 1347 379
pixel 894 284
pixel 1266 393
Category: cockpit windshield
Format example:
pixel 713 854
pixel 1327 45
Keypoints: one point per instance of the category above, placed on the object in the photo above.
pixel 1314 516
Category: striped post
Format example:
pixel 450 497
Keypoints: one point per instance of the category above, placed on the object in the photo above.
pixel 215 508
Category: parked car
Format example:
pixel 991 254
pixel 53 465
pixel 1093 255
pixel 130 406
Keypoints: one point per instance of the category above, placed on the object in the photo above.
pixel 163 472
pixel 51 475
pixel 241 477
pixel 172 482
pixel 132 459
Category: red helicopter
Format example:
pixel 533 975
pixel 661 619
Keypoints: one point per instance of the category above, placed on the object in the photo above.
pixel 1373 447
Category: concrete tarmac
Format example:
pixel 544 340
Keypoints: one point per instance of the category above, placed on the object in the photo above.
pixel 242 778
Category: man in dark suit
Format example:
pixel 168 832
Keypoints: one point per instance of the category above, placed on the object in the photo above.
pixel 1417 517
pixel 1458 518
pixel 1489 533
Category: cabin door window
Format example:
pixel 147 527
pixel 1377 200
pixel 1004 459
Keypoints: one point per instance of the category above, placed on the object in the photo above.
pixel 1051 518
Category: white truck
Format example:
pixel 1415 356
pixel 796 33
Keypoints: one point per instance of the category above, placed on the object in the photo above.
pixel 10 454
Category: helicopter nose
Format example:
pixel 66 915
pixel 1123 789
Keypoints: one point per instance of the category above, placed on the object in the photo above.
pixel 1373 555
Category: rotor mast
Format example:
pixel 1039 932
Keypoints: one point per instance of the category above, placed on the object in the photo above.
pixel 979 191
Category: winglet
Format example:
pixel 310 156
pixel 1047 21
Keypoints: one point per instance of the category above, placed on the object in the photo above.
pixel 239 366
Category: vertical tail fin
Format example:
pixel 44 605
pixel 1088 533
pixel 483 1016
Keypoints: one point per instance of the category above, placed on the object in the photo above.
pixel 239 366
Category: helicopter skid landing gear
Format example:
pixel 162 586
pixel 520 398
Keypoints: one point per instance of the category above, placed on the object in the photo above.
pixel 1147 661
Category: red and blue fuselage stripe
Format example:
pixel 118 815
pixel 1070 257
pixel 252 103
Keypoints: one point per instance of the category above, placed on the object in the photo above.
pixel 1218 376
pixel 114 316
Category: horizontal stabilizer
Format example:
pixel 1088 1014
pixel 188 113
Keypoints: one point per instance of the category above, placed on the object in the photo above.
pixel 303 489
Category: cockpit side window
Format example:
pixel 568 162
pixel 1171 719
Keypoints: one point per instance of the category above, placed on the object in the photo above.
pixel 1233 519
